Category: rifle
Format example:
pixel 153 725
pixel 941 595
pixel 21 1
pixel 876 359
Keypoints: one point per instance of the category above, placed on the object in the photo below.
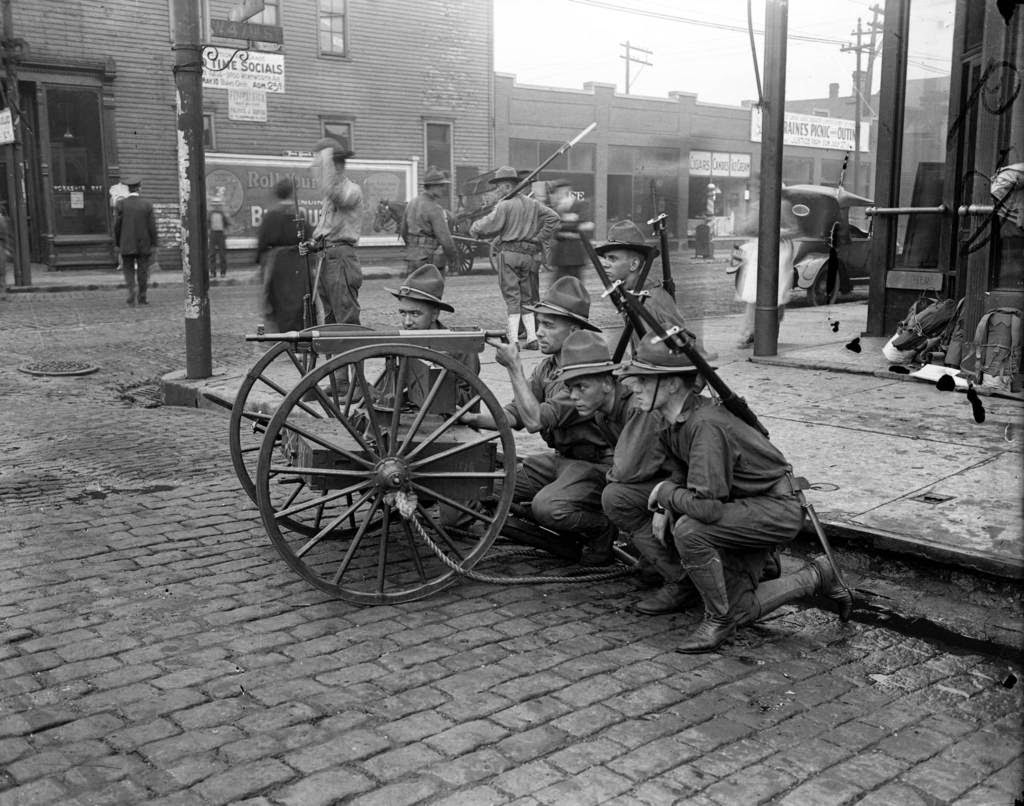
pixel 526 180
pixel 675 338
pixel 678 341
pixel 300 234
pixel 832 266
pixel 660 228
pixel 627 331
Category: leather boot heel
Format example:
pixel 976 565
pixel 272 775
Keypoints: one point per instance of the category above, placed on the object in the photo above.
pixel 709 635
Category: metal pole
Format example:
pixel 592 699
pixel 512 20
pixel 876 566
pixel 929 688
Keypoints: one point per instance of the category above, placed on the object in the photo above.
pixel 766 315
pixel 858 89
pixel 18 211
pixel 188 79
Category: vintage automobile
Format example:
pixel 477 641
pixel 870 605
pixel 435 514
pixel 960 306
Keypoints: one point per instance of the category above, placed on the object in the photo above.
pixel 823 215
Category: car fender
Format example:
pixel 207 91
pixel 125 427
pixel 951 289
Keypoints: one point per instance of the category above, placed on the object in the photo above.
pixel 807 269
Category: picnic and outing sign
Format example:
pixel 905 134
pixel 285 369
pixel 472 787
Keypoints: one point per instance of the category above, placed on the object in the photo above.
pixel 814 131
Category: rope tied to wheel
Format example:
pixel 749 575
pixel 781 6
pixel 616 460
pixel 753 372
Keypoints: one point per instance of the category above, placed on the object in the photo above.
pixel 406 504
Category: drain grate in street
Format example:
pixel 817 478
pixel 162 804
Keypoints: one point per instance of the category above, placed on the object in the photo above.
pixel 932 498
pixel 58 368
pixel 146 394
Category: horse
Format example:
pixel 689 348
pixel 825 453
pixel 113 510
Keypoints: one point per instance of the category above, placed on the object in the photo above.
pixel 389 213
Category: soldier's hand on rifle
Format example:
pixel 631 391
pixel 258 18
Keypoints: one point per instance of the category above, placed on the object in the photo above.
pixel 312 245
pixel 505 353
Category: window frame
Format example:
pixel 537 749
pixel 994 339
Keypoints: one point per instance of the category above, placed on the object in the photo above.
pixel 345 53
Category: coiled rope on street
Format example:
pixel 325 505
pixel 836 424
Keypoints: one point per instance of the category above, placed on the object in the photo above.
pixel 406 505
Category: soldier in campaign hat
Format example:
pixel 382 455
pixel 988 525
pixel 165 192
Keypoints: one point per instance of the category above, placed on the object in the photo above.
pixel 425 225
pixel 561 488
pixel 729 500
pixel 519 226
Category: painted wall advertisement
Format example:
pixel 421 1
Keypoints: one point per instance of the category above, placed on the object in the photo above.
pixel 246 184
pixel 814 131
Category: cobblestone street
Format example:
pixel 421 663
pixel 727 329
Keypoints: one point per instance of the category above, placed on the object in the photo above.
pixel 155 649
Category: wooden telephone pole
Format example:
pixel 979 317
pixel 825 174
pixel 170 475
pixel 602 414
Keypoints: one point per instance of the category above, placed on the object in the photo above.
pixel 11 50
pixel 630 59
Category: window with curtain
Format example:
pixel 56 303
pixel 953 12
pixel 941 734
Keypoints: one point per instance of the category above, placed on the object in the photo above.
pixel 331 27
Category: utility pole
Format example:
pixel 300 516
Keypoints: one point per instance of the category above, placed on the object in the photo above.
pixel 631 59
pixel 861 83
pixel 12 50
pixel 773 114
pixel 188 80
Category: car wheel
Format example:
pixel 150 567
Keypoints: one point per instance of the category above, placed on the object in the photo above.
pixel 818 294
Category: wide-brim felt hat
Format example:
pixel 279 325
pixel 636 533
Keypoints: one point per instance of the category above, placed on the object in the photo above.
pixel 654 357
pixel 566 297
pixel 425 284
pixel 627 235
pixel 435 177
pixel 131 179
pixel 584 353
pixel 339 150
pixel 506 173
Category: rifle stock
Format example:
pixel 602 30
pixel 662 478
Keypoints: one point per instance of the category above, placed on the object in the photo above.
pixel 676 339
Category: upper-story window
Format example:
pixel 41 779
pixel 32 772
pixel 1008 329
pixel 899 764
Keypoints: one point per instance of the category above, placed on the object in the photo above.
pixel 331 27
pixel 271 15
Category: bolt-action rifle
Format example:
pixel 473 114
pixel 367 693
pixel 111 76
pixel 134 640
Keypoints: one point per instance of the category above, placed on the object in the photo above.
pixel 658 223
pixel 526 180
pixel 678 341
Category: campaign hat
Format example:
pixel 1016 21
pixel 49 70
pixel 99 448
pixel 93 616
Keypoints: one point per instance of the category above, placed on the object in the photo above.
pixel 425 284
pixel 435 177
pixel 132 180
pixel 339 150
pixel 627 235
pixel 654 358
pixel 566 297
pixel 506 173
pixel 584 353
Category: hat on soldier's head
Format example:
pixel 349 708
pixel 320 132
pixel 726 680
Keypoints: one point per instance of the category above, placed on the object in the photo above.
pixel 339 150
pixel 506 173
pixel 425 284
pixel 654 358
pixel 132 180
pixel 627 235
pixel 584 353
pixel 435 177
pixel 566 297
pixel 559 183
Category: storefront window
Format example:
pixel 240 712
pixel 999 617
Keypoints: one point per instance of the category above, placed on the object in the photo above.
pixel 76 149
pixel 925 123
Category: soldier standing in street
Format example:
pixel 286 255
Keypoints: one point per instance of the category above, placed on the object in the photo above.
pixel 136 236
pixel 425 226
pixel 520 226
pixel 730 499
pixel 567 256
pixel 339 275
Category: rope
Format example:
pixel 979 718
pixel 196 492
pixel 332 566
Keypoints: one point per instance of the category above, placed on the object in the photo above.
pixel 405 503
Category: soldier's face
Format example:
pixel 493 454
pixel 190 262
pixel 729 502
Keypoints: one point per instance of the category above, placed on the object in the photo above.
pixel 620 262
pixel 417 315
pixel 590 393
pixel 552 331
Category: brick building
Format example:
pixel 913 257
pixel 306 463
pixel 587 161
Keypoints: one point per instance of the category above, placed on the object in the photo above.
pixel 408 88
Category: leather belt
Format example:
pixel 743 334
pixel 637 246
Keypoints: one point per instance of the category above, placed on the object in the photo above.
pixel 425 240
pixel 783 488
pixel 340 243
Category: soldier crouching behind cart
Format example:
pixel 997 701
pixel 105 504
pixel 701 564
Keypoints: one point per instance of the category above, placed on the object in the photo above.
pixel 561 489
pixel 729 501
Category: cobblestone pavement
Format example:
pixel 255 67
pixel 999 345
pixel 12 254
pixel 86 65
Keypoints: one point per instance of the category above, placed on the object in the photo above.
pixel 155 649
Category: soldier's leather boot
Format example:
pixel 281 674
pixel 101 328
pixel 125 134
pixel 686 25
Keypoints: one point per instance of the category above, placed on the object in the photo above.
pixel 718 625
pixel 669 598
pixel 598 550
pixel 830 587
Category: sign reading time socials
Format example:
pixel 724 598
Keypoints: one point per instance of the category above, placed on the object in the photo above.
pixel 224 69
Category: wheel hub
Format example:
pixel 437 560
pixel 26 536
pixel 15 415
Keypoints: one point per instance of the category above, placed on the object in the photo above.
pixel 391 474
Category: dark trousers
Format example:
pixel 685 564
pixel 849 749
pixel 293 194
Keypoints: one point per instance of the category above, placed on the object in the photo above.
pixel 218 253
pixel 518 279
pixel 341 277
pixel 564 494
pixel 136 276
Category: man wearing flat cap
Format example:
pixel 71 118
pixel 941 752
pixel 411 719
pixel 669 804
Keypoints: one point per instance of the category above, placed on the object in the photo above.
pixel 567 256
pixel 425 227
pixel 729 499
pixel 562 487
pixel 519 226
pixel 136 236
pixel 339 275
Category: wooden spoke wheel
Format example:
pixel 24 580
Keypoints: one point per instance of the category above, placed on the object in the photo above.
pixel 330 484
pixel 466 250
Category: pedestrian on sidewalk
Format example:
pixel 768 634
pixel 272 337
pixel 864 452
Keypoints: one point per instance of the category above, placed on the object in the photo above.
pixel 519 226
pixel 217 225
pixel 339 275
pixel 136 236
pixel 286 275
pixel 425 226
pixel 568 257
pixel 561 488
pixel 730 499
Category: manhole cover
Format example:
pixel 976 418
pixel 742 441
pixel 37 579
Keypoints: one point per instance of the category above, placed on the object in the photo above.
pixel 58 368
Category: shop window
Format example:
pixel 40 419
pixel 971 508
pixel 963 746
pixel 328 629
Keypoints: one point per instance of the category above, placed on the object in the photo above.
pixel 271 15
pixel 560 163
pixel 438 148
pixel 522 153
pixel 582 158
pixel 332 27
pixel 340 131
pixel 78 171
pixel 209 141
pixel 797 170
pixel 620 159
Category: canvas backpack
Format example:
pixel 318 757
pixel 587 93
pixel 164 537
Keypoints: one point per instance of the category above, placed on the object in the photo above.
pixel 954 338
pixel 925 320
pixel 997 349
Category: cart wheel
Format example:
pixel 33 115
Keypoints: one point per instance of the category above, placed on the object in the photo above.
pixel 261 392
pixel 329 486
pixel 465 254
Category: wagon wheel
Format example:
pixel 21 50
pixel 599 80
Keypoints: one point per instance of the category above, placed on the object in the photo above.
pixel 465 249
pixel 336 476
pixel 259 395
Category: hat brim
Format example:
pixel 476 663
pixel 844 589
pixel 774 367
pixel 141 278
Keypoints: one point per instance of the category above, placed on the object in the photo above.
pixel 567 374
pixel 634 368
pixel 431 182
pixel 547 307
pixel 420 296
pixel 648 251
pixel 497 179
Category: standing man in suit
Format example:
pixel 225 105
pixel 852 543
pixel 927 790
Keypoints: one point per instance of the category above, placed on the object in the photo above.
pixel 135 235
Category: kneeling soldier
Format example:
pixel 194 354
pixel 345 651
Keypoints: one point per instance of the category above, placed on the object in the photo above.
pixel 731 497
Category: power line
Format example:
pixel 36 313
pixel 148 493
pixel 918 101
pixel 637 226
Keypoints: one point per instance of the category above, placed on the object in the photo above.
pixel 703 23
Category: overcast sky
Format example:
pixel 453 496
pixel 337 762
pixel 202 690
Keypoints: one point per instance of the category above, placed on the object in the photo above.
pixel 564 43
